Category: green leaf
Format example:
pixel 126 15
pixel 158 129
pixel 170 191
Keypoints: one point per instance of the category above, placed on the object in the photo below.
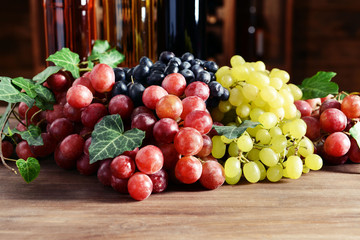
pixel 232 132
pixel 319 85
pixel 355 132
pixel 32 135
pixel 28 169
pixel 43 76
pixel 3 118
pixel 109 139
pixel 25 84
pixel 66 59
pixel 44 105
pixel 10 94
pixel 112 58
pixel 100 46
pixel 45 94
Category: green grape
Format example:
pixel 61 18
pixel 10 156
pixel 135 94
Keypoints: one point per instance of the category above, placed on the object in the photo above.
pixel 259 79
pixel 294 167
pixel 250 92
pixel 278 143
pixel 274 173
pixel 243 110
pixel 275 131
pixel 306 147
pixel 259 102
pixel 283 75
pixel 268 93
pixel 225 139
pixel 291 151
pixel 268 157
pixel 295 91
pixel 277 102
pixel 259 66
pixel 245 143
pixel 240 73
pixel 252 131
pixel 276 83
pixel 217 115
pixel 287 96
pixel 236 60
pixel 279 112
pixel 233 170
pixel 253 155
pixel 263 136
pixel 285 127
pixel 219 147
pixel 290 111
pixel 268 120
pixel 313 162
pixel 251 172
pixel 233 149
pixel 305 169
pixel 222 71
pixel 236 97
pixel 224 106
pixel 249 66
pixel 226 81
pixel 255 113
pixel 262 170
pixel 297 128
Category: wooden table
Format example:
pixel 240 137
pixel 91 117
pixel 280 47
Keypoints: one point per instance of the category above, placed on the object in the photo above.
pixel 63 204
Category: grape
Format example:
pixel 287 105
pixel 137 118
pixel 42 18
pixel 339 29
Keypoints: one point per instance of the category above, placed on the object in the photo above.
pixel 312 127
pixel 144 122
pixel 255 113
pixel 297 128
pixel 243 110
pixel 174 83
pixel 268 120
pixel 23 150
pixel 169 106
pixel 258 79
pixel 207 147
pixel 122 167
pixel 200 120
pixel 188 141
pixel 59 81
pixel 47 148
pixel 119 184
pixel 31 114
pixel 250 91
pixel 251 172
pixel 304 107
pixel 333 120
pixel 71 113
pixel 57 112
pixel 226 81
pixel 232 169
pixel 224 106
pixel 85 82
pixel 190 104
pixel 92 114
pixel 245 143
pixel 122 105
pixel 294 167
pixel 278 143
pixel 236 97
pixel 104 172
pixel 188 169
pixel 141 109
pixel 102 78
pixel 350 106
pixel 313 161
pixel 274 173
pixel 233 149
pixel 295 91
pixel 330 103
pixel 306 147
pixel 354 151
pixel 7 149
pixel 152 95
pixel 171 156
pixel 276 83
pixel 199 89
pixel 160 181
pixel 61 128
pixel 262 170
pixel 337 144
pixel 84 167
pixel 79 96
pixel 165 130
pixel 72 146
pixel 136 91
pixel 236 60
pixel 268 157
pixel 213 175
pixel 64 162
pixel 165 56
pixel 268 93
pixel 149 159
pixel 263 136
pixel 253 154
pixel 120 74
pixel 155 78
pixel 140 73
pixel 140 186
pixel 283 75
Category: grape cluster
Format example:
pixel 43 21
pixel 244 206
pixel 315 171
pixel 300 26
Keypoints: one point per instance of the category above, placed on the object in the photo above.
pixel 328 122
pixel 275 148
pixel 166 100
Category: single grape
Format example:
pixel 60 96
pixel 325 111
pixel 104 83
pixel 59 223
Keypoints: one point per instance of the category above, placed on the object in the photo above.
pixel 59 81
pixel 304 107
pixel 23 150
pixel 337 144
pixel 119 184
pixel 152 95
pixel 232 170
pixel 165 130
pixel 71 113
pixel 350 106
pixel 294 167
pixel 207 147
pixel 122 167
pixel 7 149
pixel 122 105
pixel 84 167
pixel 251 172
pixel 102 78
pixel 140 186
pixel 190 104
pixel 104 172
pixel 188 141
pixel 213 175
pixel 92 114
pixel 262 170
pixel 274 173
pixel 149 159
pixel 245 143
pixel 330 103
pixel 333 120
pixel 313 162
pixel 85 81
pixel 72 147
pixel 144 122
pixel 57 112
pixel 188 169
pixel 79 96
pixel 199 89
pixel 61 128
pixel 268 120
pixel 312 127
pixel 174 83
pixel 63 161
pixel 200 120
pixel 268 157
pixel 171 156
pixel 160 181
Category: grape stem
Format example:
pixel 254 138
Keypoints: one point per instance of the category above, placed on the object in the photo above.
pixel 2 131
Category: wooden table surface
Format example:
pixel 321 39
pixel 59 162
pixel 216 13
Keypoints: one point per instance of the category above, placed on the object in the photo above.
pixel 63 204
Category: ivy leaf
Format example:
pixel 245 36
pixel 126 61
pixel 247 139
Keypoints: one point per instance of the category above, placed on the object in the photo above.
pixel 28 169
pixel 109 139
pixel 112 58
pixel 43 76
pixel 66 59
pixel 10 94
pixel 319 85
pixel 355 132
pixel 45 94
pixel 232 132
pixel 32 135
pixel 25 84
pixel 3 118
pixel 100 46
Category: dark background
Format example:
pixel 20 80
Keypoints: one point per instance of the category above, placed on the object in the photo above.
pixel 302 37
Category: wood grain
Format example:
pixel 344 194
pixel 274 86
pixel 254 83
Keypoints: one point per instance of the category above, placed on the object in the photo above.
pixel 66 205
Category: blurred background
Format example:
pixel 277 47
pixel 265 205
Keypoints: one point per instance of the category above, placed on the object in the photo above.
pixel 300 36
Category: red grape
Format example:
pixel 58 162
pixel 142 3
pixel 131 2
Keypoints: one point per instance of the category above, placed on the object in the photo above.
pixel 140 186
pixel 200 120
pixel 192 103
pixel 313 127
pixel 7 148
pixel 60 128
pixel 57 112
pixel 141 109
pixel 102 78
pixel 122 105
pixel 23 150
pixel 213 175
pixel 71 113
pixel 354 151
pixel 79 96
pixel 199 89
pixel 337 144
pixel 119 184
pixel 47 148
pixel 72 147
pixel 159 180
pixel 92 113
pixel 174 83
pixel 144 122
pixel 59 81
pixel 333 120
pixel 84 167
pixel 62 161
pixel 169 106
pixel 351 106
pixel 23 110
pixel 188 169
pixel 165 130
pixel 304 107
pixel 188 141
pixel 104 172
pixel 152 95
pixel 330 103
pixel 149 159
pixel 85 82
pixel 207 147
pixel 171 156
pixel 122 167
